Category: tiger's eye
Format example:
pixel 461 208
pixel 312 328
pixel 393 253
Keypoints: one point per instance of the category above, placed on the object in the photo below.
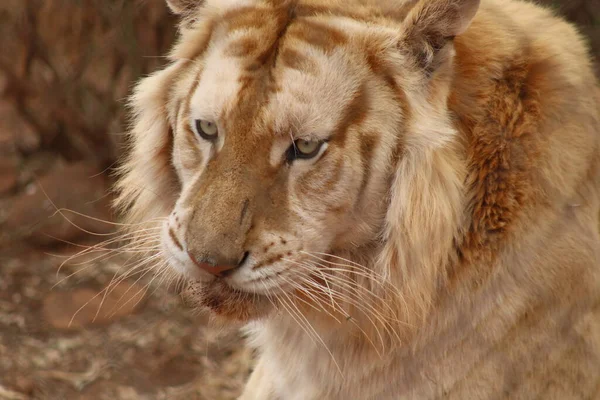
pixel 206 129
pixel 305 149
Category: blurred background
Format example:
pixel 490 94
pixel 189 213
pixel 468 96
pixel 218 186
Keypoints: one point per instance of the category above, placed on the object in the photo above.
pixel 66 68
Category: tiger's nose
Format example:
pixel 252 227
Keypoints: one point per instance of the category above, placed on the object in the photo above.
pixel 218 266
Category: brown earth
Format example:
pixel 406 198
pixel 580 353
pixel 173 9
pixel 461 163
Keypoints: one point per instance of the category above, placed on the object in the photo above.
pixel 66 68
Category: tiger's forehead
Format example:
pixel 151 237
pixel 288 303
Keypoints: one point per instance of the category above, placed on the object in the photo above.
pixel 269 68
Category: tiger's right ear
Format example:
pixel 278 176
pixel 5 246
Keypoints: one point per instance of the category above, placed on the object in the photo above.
pixel 431 26
pixel 180 7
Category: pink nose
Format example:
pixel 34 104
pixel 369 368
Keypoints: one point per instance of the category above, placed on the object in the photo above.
pixel 211 269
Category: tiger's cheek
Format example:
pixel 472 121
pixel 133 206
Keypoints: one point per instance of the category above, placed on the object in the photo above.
pixel 324 194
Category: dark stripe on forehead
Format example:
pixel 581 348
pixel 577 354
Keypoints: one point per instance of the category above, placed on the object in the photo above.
pixel 355 113
pixel 242 47
pixel 167 150
pixel 189 138
pixel 379 68
pixel 173 110
pixel 318 34
pixel 280 3
pixel 244 18
pixel 257 80
pixel 249 95
pixel 293 59
pixel 368 142
pixel 396 12
pixel 283 18
pixel 306 10
pixel 174 119
pixel 386 73
pixel 188 99
pixel 173 95
pixel 183 124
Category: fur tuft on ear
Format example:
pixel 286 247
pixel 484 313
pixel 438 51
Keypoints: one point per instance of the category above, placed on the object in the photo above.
pixel 432 24
pixel 180 7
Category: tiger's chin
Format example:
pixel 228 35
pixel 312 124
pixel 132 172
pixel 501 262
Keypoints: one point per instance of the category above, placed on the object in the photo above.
pixel 227 303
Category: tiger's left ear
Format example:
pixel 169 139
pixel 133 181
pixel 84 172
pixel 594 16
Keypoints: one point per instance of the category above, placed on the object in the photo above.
pixel 180 7
pixel 431 26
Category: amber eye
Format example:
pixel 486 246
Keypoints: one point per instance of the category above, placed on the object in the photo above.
pixel 206 130
pixel 304 149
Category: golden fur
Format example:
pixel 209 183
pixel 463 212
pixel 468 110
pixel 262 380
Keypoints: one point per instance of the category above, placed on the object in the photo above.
pixel 444 241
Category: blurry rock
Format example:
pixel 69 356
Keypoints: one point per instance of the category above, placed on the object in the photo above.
pixel 69 65
pixel 123 84
pixel 36 165
pixel 127 393
pixel 78 187
pixel 25 385
pixel 83 308
pixel 3 83
pixel 99 72
pixel 64 27
pixel 9 173
pixel 7 143
pixel 12 6
pixel 16 131
pixel 41 73
pixel 43 112
pixel 13 39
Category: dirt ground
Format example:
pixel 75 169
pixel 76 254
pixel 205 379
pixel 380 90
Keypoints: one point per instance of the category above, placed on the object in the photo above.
pixel 144 343
pixel 65 69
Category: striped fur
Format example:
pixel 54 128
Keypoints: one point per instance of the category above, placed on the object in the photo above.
pixel 444 242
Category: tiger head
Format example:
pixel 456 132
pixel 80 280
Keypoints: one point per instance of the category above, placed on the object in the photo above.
pixel 295 151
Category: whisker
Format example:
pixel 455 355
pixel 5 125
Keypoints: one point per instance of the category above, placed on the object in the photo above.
pixel 293 315
pixel 111 253
pixel 365 305
pixel 352 286
pixel 144 289
pixel 388 286
pixel 90 262
pixel 88 249
pixel 352 320
pixel 115 282
pixel 319 338
pixel 144 265
pixel 84 305
pixel 311 296
pixel 62 210
pixel 326 282
pixel 350 301
pixel 368 273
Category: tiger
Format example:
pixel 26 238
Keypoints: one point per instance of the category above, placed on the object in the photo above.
pixel 392 199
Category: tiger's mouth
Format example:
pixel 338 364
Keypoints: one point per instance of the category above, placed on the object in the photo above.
pixel 225 301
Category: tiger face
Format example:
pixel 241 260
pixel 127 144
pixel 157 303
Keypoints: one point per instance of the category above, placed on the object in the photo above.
pixel 274 142
pixel 280 151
